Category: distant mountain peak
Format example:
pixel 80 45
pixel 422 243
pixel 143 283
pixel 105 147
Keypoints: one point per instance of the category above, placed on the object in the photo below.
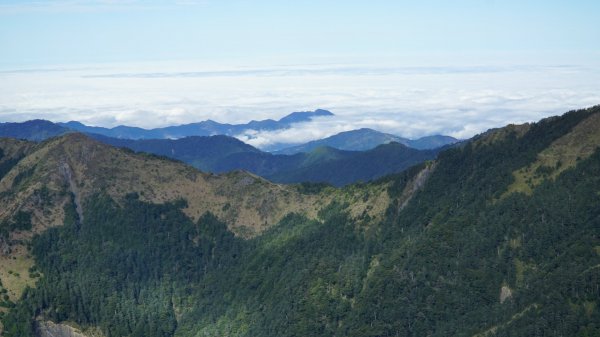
pixel 323 112
pixel 304 116
pixel 36 130
pixel 73 123
pixel 365 139
pixel 203 128
pixel 354 140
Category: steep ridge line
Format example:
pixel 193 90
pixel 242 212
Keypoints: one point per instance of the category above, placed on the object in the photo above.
pixel 562 154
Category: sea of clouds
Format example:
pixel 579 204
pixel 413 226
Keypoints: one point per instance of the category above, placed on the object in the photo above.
pixel 406 101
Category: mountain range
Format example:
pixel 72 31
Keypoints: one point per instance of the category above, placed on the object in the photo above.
pixel 204 128
pixel 356 140
pixel 366 139
pixel 38 130
pixel 349 157
pixel 34 130
pixel 497 236
pixel 219 154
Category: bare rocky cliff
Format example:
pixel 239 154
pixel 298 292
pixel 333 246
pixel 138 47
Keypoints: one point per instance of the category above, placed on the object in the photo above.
pixel 50 329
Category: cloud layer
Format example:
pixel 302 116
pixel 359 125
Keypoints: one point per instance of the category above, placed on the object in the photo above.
pixel 406 101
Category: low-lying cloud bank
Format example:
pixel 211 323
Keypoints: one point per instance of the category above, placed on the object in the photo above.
pixel 406 101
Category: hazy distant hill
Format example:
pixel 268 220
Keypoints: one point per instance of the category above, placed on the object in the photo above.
pixel 355 140
pixel 35 130
pixel 366 139
pixel 431 142
pixel 205 128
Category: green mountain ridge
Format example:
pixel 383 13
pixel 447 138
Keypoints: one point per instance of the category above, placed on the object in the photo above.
pixel 357 167
pixel 220 154
pixel 366 139
pixel 450 247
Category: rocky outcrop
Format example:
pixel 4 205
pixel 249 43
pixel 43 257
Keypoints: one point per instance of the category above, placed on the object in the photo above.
pixel 505 293
pixel 67 173
pixel 51 329
pixel 415 185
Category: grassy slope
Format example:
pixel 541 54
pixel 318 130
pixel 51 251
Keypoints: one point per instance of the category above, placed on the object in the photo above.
pixel 39 179
pixel 561 155
pixel 75 163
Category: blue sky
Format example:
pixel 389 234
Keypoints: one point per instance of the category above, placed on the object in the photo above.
pixel 72 31
pixel 407 67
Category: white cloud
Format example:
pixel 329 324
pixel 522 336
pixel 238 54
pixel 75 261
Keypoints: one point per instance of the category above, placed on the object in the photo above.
pixel 299 133
pixel 406 101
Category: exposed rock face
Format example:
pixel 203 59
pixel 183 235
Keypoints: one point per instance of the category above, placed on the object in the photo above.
pixel 51 329
pixel 505 293
pixel 415 185
pixel 67 172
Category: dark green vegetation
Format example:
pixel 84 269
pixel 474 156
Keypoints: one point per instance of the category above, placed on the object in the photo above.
pixel 459 259
pixel 220 154
pixel 10 156
pixel 204 153
pixel 21 221
pixel 6 164
pixel 353 167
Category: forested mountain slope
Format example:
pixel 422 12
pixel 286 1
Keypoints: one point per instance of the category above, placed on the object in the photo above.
pixel 203 152
pixel 220 154
pixel 351 167
pixel 497 237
